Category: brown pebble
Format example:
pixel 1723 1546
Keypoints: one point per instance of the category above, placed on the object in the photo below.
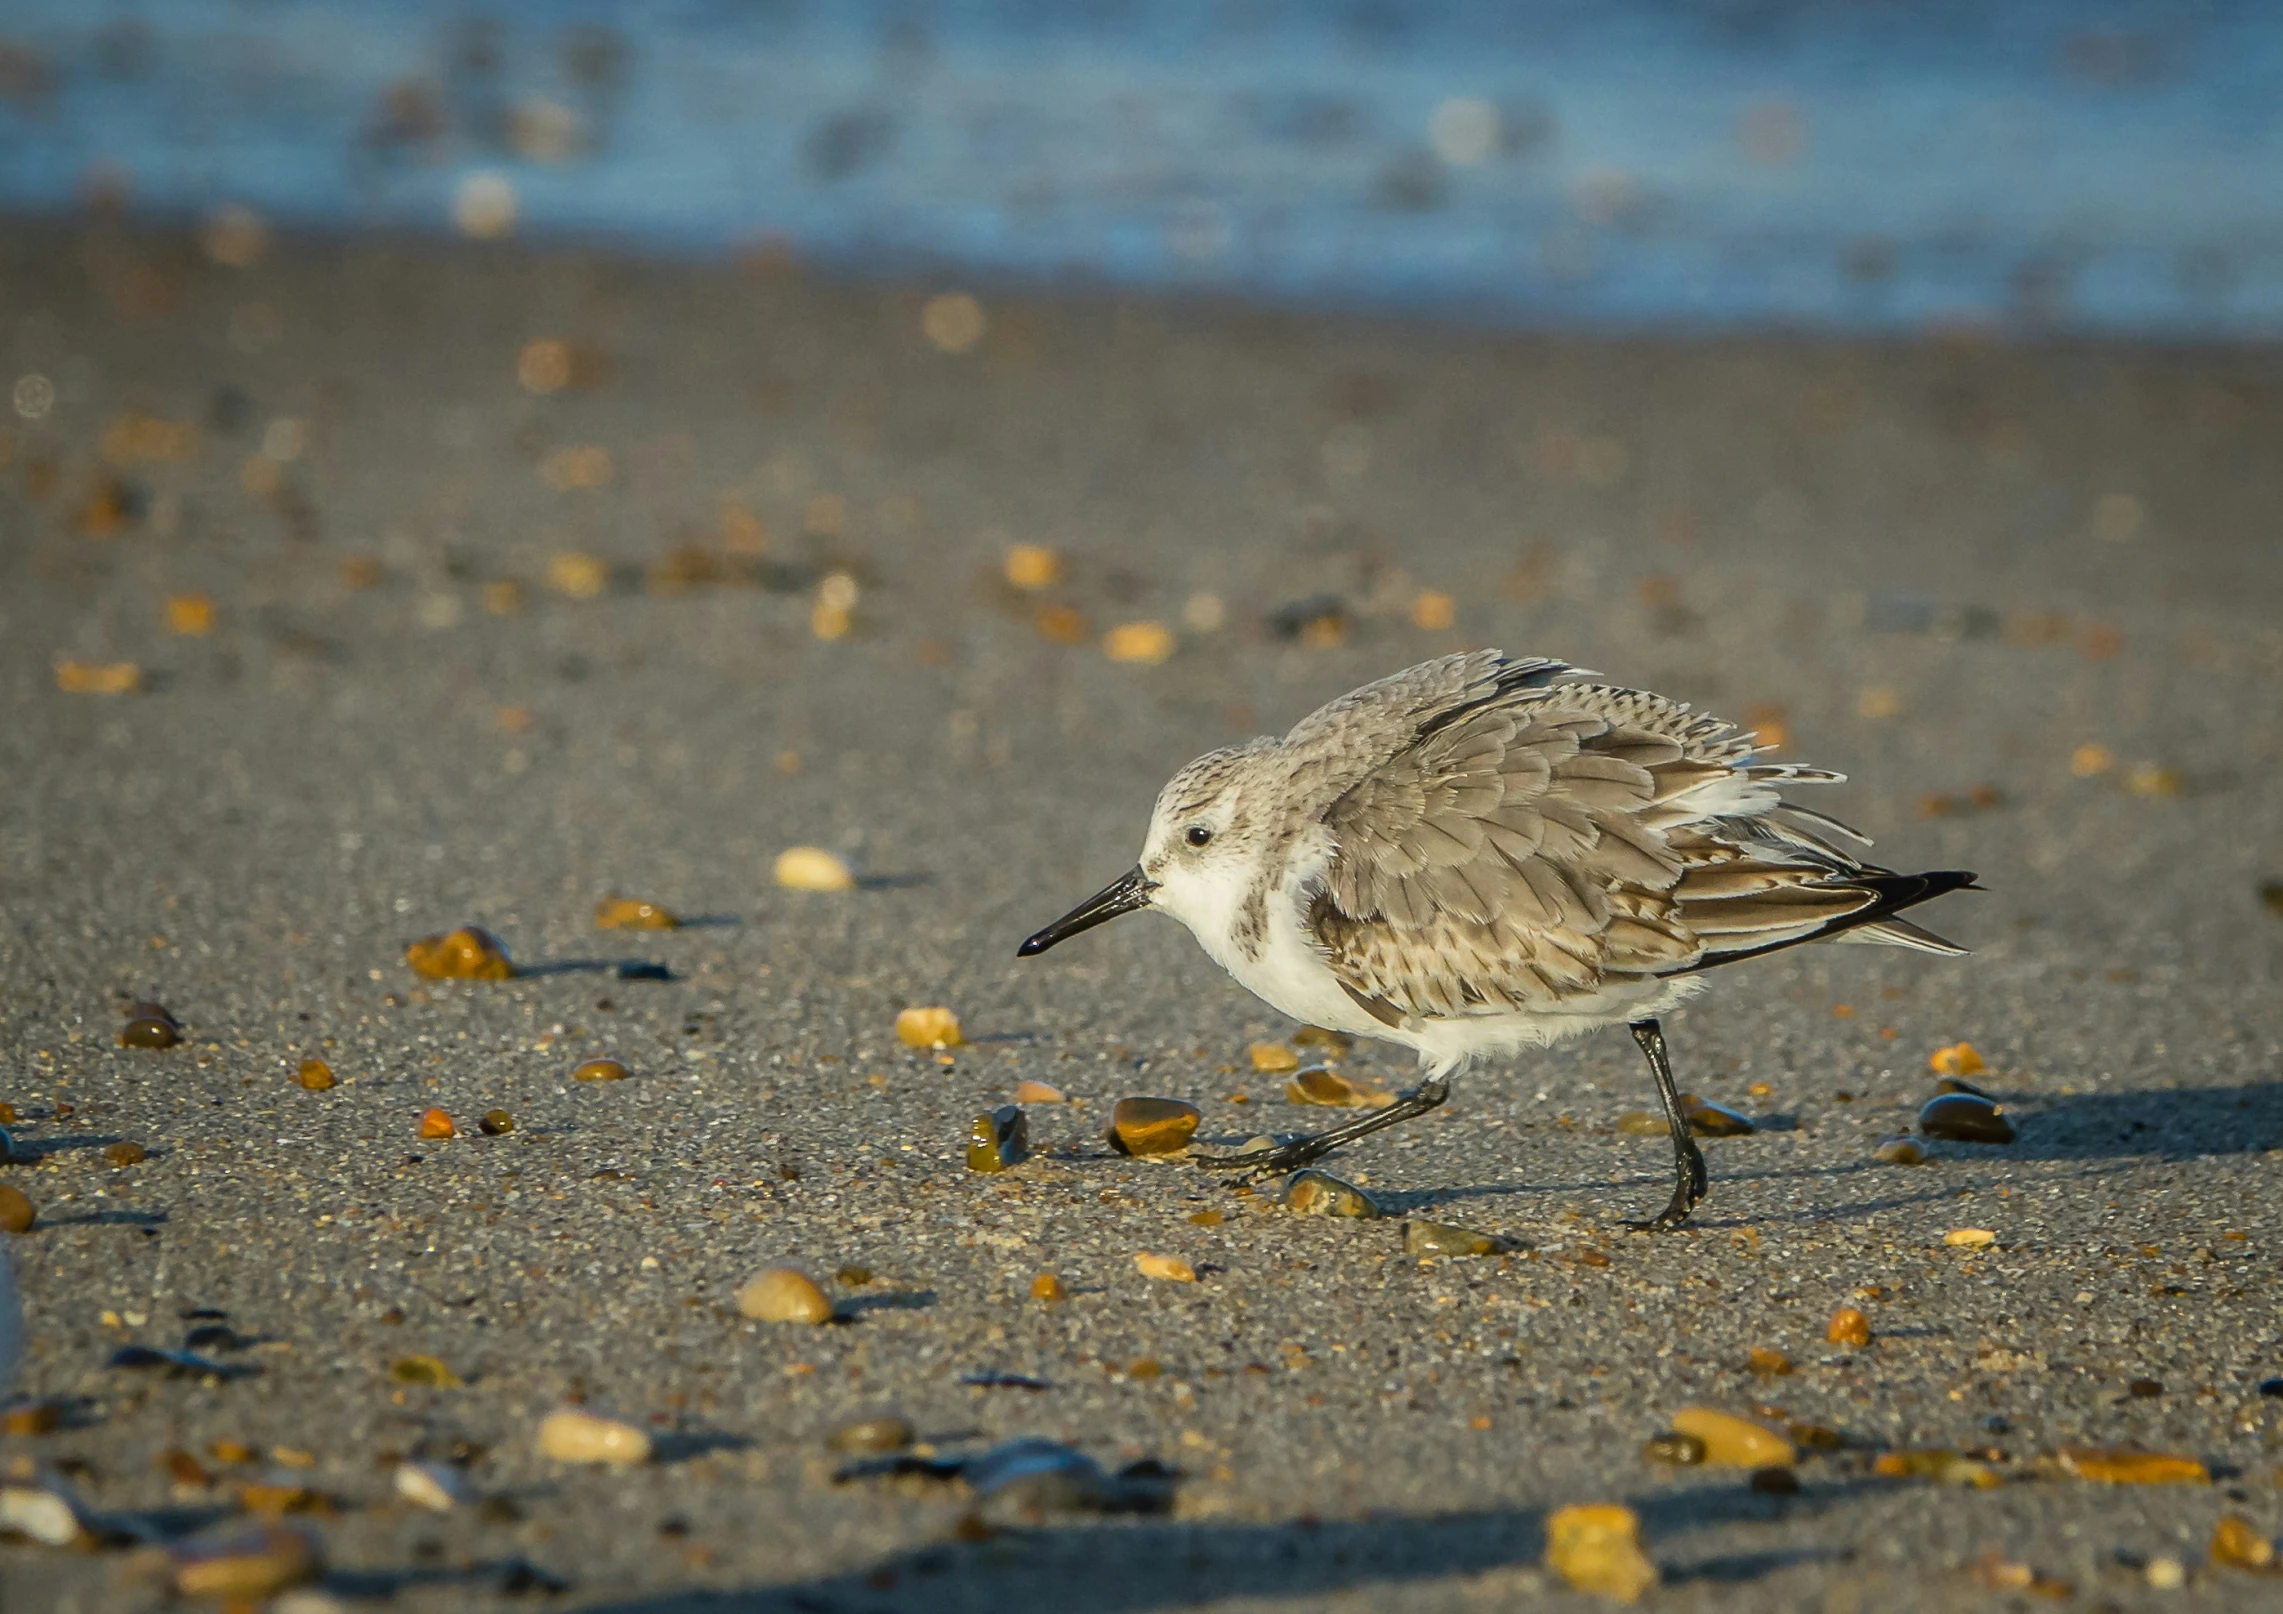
pixel 1153 1126
pixel 146 1032
pixel 7 1115
pixel 16 1212
pixel 1047 1287
pixel 871 1436
pixel 632 913
pixel 2145 1389
pixel 998 1140
pixel 315 1075
pixel 428 1370
pixel 496 1123
pixel 600 1070
pixel 855 1277
pixel 125 1154
pixel 1848 1327
pixel 1440 1238
pixel 1965 1118
pixel 1336 1042
pixel 2238 1543
pixel 470 953
pixel 1272 1058
pixel 32 1418
pixel 436 1124
pixel 1769 1364
pixel 1900 1152
pixel 1642 1124
pixel 1681 1451
pixel 1775 1481
pixel 1709 1120
pixel 1319 1085
pixel 784 1295
pixel 1319 1193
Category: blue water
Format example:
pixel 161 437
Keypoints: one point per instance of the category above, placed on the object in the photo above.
pixel 2015 164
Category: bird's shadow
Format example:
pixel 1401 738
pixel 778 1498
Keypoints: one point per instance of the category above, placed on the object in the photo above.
pixel 1085 1567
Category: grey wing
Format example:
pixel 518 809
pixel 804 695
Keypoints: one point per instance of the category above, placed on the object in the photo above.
pixel 1535 844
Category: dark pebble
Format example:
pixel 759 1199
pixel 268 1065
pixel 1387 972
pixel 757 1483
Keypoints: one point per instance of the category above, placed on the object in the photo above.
pixel 1709 1120
pixel 149 1033
pixel 1965 1118
pixel 1775 1482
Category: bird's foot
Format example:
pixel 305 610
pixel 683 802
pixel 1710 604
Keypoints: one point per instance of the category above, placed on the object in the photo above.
pixel 1689 1187
pixel 1272 1162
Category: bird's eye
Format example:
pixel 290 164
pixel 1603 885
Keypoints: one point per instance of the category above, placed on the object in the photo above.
pixel 1199 834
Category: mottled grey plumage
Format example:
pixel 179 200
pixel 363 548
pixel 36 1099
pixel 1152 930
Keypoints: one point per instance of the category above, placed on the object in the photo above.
pixel 1482 853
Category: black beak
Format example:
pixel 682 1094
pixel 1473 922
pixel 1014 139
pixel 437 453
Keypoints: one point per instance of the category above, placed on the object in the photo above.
pixel 1122 895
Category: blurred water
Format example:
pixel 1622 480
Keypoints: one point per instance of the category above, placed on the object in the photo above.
pixel 2039 164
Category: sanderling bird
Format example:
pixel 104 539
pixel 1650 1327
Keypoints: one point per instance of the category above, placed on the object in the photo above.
pixel 1487 853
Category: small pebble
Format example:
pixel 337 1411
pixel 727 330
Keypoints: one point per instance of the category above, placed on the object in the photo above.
pixel 2271 1387
pixel 436 1123
pixel 2145 1389
pixel 1675 1448
pixel 315 1075
pixel 1169 1268
pixel 632 913
pixel 1733 1442
pixel 1319 1193
pixel 32 1418
pixel 245 1567
pixel 125 1154
pixel 496 1123
pixel 42 1515
pixel 871 1436
pixel 1959 1059
pixel 467 954
pixel 928 1028
pixel 2125 1467
pixel 1709 1120
pixel 1848 1327
pixel 1153 1126
pixel 1440 1238
pixel 1319 1085
pixel 1970 1238
pixel 1641 1124
pixel 1965 1118
pixel 430 1485
pixel 784 1295
pixel 1140 643
pixel 575 1435
pixel 856 1277
pixel 1597 1548
pixel 1942 1466
pixel 428 1370
pixel 1334 1042
pixel 1769 1364
pixel 2237 1542
pixel 1033 566
pixel 1775 1481
pixel 1900 1152
pixel 16 1211
pixel 1047 1287
pixel 1030 1092
pixel 812 868
pixel 600 1070
pixel 2166 1573
pixel 998 1140
pixel 1273 1058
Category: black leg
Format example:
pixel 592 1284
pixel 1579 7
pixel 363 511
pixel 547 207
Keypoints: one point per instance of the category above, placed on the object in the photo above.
pixel 1688 1160
pixel 1302 1151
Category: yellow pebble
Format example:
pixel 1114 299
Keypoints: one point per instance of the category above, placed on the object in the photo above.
pixel 574 1435
pixel 1033 566
pixel 1143 644
pixel 1596 1547
pixel 928 1028
pixel 784 1295
pixel 812 868
pixel 1970 1238
pixel 1170 1268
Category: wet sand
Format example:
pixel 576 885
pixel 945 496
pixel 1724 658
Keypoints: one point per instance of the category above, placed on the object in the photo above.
pixel 2026 597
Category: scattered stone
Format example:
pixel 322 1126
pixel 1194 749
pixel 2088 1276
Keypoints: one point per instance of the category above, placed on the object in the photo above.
pixel 1942 1466
pixel 1141 643
pixel 935 1027
pixel 1153 1126
pixel 1033 566
pixel 2165 1573
pixel 45 1515
pixel 1169 1268
pixel 1848 1327
pixel 245 1567
pixel 812 868
pixel 1047 1287
pixel 632 913
pixel 146 1031
pixel 32 1418
pixel 856 1277
pixel 470 953
pixel 2145 1389
pixel 1272 1058
pixel 1319 1193
pixel 1030 1477
pixel 1030 1092
pixel 1318 1084
pixel 998 1140
pixel 2117 1466
pixel 125 1154
pixel 1596 1547
pixel 784 1295
pixel 1733 1442
pixel 599 1070
pixel 1641 1124
pixel 496 1124
pixel 1965 1118
pixel 1775 1481
pixel 1959 1059
pixel 435 1486
pixel 1334 1043
pixel 1970 1238
pixel 871 1436
pixel 2237 1542
pixel 1769 1364
pixel 1440 1238
pixel 17 1213
pixel 575 1435
pixel 1709 1120
pixel 2271 1387
pixel 315 1075
pixel 1900 1152
pixel 1675 1448
pixel 428 1370
pixel 436 1123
